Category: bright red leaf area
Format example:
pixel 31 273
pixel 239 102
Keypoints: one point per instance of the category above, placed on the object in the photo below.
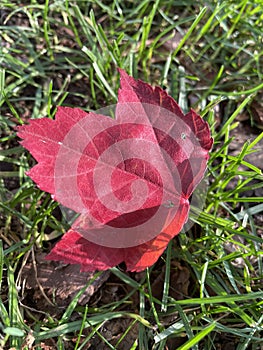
pixel 129 178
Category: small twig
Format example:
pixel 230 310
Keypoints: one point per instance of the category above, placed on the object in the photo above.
pixel 38 283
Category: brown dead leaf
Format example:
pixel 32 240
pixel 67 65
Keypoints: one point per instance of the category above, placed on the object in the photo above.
pixel 53 280
pixel 257 113
pixel 179 282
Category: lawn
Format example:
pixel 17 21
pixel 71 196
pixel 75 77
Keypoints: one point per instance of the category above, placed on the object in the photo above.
pixel 206 291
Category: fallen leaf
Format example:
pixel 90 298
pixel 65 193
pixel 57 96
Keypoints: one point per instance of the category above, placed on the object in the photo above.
pixel 129 178
pixel 52 278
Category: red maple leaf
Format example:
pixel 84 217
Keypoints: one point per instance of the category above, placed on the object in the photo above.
pixel 129 178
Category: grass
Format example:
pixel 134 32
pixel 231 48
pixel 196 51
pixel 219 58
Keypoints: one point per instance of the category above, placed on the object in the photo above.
pixel 66 53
